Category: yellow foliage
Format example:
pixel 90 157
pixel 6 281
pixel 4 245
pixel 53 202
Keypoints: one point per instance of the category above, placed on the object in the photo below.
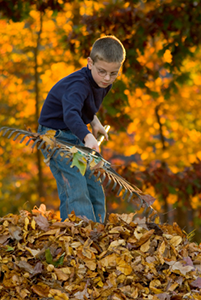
pixel 35 14
pixel 55 73
pixel 144 155
pixel 131 150
pixel 49 26
pixel 167 57
pixel 68 27
pixel 138 92
pixel 88 7
pixel 195 201
pixel 172 198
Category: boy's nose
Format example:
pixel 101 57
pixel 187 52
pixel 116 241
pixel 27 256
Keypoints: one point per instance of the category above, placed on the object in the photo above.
pixel 107 76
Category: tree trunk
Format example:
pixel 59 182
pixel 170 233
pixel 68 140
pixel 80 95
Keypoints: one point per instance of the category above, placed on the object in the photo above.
pixel 40 183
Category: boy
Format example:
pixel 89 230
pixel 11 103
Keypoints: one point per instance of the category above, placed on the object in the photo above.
pixel 71 104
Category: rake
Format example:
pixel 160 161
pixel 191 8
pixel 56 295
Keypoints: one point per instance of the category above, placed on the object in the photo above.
pixel 101 168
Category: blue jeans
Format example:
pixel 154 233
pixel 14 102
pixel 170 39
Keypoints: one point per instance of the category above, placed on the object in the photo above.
pixel 77 193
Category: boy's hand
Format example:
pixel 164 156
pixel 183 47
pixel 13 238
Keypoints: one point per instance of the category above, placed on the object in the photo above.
pixel 91 142
pixel 97 128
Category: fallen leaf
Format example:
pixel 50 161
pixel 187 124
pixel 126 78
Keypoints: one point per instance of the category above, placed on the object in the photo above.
pixel 61 275
pixel 124 267
pixel 42 222
pixel 4 238
pixel 178 266
pixel 25 266
pixel 175 240
pixel 41 289
pixel 15 232
pixel 196 283
pixel 145 247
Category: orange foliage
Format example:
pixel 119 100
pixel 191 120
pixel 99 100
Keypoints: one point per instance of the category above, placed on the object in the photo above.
pixel 176 120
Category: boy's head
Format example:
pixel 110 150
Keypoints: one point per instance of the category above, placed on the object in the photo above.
pixel 109 49
pixel 106 58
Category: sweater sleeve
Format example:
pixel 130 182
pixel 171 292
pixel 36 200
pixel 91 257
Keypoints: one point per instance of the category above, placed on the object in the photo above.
pixel 73 102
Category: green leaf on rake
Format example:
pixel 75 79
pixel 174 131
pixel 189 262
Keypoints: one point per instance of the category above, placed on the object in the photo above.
pixel 80 162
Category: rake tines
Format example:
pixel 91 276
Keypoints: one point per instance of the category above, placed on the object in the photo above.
pixel 17 133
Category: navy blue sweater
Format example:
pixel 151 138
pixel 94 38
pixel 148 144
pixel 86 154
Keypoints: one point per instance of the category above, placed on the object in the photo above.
pixel 72 103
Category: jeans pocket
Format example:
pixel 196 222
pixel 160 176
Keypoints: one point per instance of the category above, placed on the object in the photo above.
pixel 58 133
pixel 40 129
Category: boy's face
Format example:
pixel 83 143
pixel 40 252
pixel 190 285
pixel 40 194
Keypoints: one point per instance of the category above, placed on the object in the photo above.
pixel 103 73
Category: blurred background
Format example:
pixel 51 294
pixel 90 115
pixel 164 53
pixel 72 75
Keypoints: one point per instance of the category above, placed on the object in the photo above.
pixel 153 108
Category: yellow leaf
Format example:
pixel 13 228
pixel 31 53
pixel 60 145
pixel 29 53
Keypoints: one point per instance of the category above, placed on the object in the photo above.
pixel 73 150
pixel 5 223
pixel 33 251
pixel 61 275
pixel 115 244
pixel 50 134
pixel 66 270
pixel 33 224
pixel 145 247
pixel 86 250
pixel 41 289
pixel 138 233
pixel 50 268
pixel 134 294
pixel 26 223
pixel 49 138
pixel 153 286
pixel 109 260
pixel 176 240
pixel 91 264
pixel 173 287
pixel 98 165
pixel 124 267
pixel 128 218
pixel 58 295
pixel 92 163
pixel 162 248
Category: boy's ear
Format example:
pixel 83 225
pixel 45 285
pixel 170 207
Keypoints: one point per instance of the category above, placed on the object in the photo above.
pixel 89 62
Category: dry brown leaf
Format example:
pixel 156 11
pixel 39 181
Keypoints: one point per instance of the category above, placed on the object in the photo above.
pixel 178 266
pixel 42 222
pixel 25 266
pixel 128 218
pixel 196 283
pixel 4 238
pixel 41 289
pixel 61 275
pixel 15 232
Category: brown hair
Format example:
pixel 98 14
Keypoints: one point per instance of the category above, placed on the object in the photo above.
pixel 109 49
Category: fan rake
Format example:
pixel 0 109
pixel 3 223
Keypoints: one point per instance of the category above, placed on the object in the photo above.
pixel 101 168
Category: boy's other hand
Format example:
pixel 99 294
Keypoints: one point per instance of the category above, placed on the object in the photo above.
pixel 98 128
pixel 91 142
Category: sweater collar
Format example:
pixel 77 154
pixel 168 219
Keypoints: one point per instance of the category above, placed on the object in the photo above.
pixel 91 79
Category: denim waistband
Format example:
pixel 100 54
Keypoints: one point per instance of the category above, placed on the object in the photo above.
pixel 61 134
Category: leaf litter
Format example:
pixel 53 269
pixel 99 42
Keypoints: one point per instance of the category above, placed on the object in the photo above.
pixel 125 258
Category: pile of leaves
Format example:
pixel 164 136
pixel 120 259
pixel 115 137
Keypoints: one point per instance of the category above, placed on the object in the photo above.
pixel 125 258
